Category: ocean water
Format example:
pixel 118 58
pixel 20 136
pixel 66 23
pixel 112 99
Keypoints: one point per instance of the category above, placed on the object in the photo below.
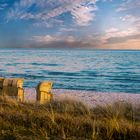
pixel 92 70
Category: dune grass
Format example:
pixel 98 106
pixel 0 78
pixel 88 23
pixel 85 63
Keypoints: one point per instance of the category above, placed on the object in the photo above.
pixel 71 120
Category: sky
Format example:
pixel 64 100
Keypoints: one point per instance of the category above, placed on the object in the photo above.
pixel 91 24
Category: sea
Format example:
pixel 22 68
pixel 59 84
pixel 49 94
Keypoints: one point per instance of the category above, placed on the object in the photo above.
pixel 89 70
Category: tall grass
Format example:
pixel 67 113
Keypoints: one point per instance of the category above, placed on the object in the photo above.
pixel 68 120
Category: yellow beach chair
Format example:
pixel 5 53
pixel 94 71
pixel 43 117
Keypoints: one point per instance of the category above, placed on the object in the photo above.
pixel 44 93
pixel 18 90
pixel 13 87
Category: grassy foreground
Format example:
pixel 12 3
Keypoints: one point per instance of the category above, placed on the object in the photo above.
pixel 69 120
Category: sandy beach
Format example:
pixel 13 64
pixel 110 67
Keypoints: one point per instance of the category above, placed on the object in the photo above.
pixel 90 98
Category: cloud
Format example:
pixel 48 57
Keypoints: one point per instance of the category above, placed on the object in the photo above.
pixel 112 39
pixel 116 35
pixel 54 13
pixel 83 15
pixel 129 5
pixel 3 6
pixel 115 38
pixel 49 41
pixel 132 44
pixel 81 10
pixel 112 30
pixel 49 24
pixel 64 29
pixel 115 32
pixel 132 20
pixel 128 42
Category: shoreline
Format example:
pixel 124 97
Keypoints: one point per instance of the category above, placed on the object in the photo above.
pixel 89 98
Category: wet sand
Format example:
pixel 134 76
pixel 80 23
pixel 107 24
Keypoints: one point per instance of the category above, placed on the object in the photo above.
pixel 90 98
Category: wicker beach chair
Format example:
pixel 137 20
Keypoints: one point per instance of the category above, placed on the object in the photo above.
pixel 18 89
pixel 13 87
pixel 44 93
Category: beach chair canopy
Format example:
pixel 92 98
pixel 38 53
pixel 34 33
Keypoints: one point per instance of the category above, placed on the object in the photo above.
pixel 13 87
pixel 45 86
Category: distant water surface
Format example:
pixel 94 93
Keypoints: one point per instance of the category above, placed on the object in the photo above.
pixel 102 71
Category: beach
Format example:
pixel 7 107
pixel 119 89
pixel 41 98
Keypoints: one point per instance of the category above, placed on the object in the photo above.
pixel 93 77
pixel 89 98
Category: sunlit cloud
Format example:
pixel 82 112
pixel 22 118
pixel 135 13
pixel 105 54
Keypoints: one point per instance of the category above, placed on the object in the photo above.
pixel 70 23
pixel 132 44
pixel 114 32
pixel 115 38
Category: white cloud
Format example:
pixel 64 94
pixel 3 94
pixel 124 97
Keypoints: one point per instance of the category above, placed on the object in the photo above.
pixel 130 18
pixel 83 15
pixel 129 5
pixel 114 32
pixel 134 24
pixel 117 33
pixel 81 10
pixel 50 39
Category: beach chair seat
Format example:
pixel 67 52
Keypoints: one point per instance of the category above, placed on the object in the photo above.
pixel 44 93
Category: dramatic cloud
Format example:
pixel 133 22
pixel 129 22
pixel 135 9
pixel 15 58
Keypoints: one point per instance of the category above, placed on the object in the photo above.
pixel 70 23
pixel 112 39
pixel 81 10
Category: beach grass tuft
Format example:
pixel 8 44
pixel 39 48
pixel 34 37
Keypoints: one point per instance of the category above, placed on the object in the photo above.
pixel 68 119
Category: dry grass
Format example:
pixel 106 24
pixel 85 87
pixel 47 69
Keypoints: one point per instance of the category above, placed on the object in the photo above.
pixel 69 120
